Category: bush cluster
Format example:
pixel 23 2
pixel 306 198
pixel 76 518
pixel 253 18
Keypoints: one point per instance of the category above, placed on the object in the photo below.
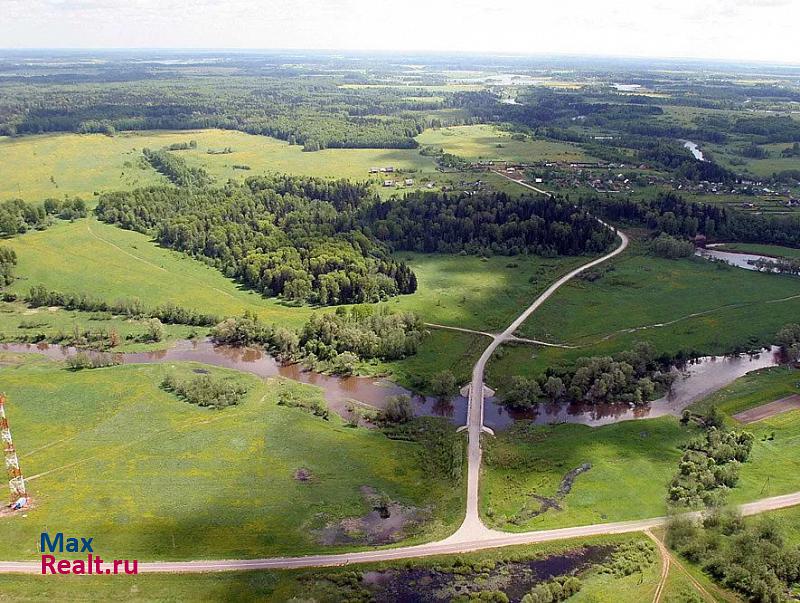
pixel 205 390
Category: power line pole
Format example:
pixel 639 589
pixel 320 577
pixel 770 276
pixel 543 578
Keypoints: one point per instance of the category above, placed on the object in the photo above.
pixel 15 480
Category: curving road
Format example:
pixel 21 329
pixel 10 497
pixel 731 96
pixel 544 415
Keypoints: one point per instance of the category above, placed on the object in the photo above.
pixel 472 535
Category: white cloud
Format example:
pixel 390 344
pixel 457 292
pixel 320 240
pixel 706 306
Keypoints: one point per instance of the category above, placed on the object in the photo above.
pixel 730 29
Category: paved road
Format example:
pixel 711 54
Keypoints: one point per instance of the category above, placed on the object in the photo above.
pixel 472 535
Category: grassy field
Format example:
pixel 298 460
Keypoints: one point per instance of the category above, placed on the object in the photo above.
pixel 111 263
pixel 631 465
pixel 633 461
pixel 478 293
pixel 109 454
pixel 688 304
pixel 488 142
pixel 36 167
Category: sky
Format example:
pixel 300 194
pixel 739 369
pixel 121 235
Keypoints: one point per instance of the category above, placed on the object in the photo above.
pixel 756 30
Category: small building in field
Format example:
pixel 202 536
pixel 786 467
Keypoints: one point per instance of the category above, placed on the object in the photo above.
pixel 388 183
pixel 409 182
pixel 374 170
pixel 389 169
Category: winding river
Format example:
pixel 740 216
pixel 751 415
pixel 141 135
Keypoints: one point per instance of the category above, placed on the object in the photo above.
pixel 740 260
pixel 696 380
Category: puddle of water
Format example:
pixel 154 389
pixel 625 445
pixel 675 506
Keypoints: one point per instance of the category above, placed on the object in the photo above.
pixel 515 578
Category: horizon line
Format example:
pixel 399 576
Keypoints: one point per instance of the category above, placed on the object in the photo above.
pixel 361 51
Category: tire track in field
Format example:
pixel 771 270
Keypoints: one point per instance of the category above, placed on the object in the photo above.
pixel 669 323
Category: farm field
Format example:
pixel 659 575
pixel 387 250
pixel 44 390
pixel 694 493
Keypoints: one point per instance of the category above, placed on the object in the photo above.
pixel 687 304
pixel 489 142
pixel 54 165
pixel 331 584
pixel 107 452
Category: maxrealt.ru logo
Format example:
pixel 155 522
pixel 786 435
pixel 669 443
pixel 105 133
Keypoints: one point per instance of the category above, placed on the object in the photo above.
pixel 93 564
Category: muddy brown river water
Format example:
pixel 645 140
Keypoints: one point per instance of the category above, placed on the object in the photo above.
pixel 697 380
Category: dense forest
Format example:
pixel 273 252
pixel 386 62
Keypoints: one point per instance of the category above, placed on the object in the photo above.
pixel 487 223
pixel 323 242
pixel 314 112
pixel 667 212
pixel 289 237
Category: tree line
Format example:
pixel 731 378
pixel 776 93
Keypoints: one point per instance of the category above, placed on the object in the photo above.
pixel 18 217
pixel 169 313
pixel 632 377
pixel 174 168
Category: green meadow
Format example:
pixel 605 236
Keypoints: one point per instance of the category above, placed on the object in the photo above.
pixel 632 462
pixel 490 143
pixel 688 304
pixel 88 256
pixel 631 465
pixel 54 165
pixel 110 263
pixel 108 453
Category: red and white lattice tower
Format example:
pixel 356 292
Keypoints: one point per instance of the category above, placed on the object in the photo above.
pixel 15 480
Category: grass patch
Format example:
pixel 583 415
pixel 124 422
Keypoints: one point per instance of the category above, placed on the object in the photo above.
pixel 631 464
pixel 109 454
pixel 687 304
pixel 489 142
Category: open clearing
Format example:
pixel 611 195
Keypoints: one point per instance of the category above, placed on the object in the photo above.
pixel 631 462
pixel 54 165
pixel 688 304
pixel 489 142
pixel 109 454
pixel 87 256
